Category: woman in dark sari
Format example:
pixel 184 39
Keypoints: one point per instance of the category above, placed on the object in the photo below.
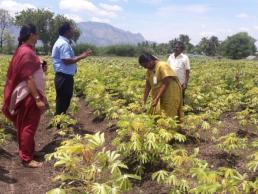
pixel 24 99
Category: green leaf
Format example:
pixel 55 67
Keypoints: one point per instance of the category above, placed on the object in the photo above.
pixel 96 140
pixel 124 183
pixel 98 188
pixel 160 176
pixel 171 180
pixel 115 167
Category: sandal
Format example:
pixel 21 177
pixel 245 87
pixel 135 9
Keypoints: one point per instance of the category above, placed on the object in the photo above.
pixel 33 164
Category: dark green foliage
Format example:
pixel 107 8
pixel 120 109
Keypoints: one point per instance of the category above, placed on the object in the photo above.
pixel 9 44
pixel 208 46
pixel 5 21
pixel 57 21
pixel 39 17
pixel 185 39
pixel 238 46
pixel 47 25
pixel 122 50
pixel 79 48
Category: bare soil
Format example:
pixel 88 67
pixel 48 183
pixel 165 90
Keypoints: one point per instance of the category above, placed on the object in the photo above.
pixel 14 177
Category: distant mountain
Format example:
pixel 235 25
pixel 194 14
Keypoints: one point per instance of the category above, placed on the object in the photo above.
pixel 102 34
pixel 99 34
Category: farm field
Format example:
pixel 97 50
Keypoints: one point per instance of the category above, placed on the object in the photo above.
pixel 110 144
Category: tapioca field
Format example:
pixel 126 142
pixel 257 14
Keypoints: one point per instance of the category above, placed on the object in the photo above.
pixel 108 143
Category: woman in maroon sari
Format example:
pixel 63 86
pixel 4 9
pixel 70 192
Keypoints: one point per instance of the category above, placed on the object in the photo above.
pixel 24 100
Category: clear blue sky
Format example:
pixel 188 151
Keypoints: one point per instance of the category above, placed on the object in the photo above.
pixel 158 20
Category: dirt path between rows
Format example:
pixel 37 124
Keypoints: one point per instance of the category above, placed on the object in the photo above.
pixel 15 179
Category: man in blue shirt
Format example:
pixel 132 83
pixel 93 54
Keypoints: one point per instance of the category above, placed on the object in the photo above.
pixel 64 62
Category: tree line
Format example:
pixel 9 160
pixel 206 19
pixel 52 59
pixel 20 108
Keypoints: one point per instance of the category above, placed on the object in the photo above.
pixel 236 46
pixel 47 24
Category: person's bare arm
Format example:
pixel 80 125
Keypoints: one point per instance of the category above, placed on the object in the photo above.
pixel 162 90
pixel 77 58
pixel 146 91
pixel 187 76
pixel 187 73
pixel 34 92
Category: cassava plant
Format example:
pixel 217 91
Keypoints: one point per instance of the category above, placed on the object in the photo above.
pixel 144 139
pixel 231 144
pixel 87 167
pixel 253 163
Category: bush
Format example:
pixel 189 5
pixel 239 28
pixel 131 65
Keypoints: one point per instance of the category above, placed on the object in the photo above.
pixel 78 49
pixel 122 50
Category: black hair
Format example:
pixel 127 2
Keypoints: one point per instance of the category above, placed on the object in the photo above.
pixel 181 44
pixel 65 27
pixel 145 58
pixel 25 32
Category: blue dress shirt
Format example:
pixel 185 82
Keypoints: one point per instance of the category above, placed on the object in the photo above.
pixel 63 50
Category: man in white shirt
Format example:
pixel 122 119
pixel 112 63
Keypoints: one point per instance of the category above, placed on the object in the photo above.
pixel 180 63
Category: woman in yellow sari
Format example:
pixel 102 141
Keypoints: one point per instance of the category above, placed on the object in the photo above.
pixel 164 85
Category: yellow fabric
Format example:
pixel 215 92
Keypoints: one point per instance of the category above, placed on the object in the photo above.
pixel 171 101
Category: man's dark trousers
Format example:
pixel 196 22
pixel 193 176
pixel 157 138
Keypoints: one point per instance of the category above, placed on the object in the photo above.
pixel 64 92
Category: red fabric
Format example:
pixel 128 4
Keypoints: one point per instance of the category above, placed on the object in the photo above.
pixel 27 122
pixel 24 63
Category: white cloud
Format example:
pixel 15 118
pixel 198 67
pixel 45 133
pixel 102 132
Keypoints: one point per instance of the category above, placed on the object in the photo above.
pixel 101 20
pixel 117 1
pixel 153 1
pixel 112 8
pixel 172 9
pixel 77 5
pixel 195 8
pixel 14 7
pixel 104 10
pixel 256 27
pixel 74 17
pixel 242 15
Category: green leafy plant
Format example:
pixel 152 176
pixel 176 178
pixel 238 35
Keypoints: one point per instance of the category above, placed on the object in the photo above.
pixel 231 144
pixel 144 139
pixel 3 136
pixel 253 164
pixel 62 121
pixel 88 167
